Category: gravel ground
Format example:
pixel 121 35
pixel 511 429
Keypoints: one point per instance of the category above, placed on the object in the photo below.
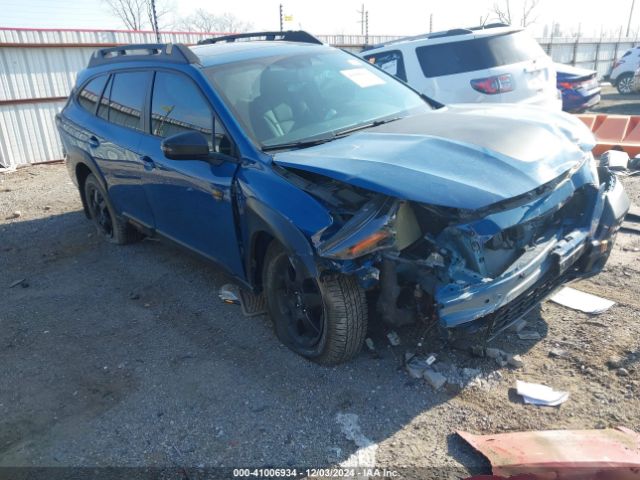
pixel 124 356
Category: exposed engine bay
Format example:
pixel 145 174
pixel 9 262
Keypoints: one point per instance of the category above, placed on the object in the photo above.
pixel 431 263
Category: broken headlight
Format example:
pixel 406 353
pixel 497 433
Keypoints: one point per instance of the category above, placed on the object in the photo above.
pixel 380 224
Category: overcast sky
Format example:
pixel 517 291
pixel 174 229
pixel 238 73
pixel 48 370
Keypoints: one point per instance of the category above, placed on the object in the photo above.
pixel 386 17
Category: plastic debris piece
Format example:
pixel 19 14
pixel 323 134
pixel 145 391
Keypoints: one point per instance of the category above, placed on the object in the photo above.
pixel 537 394
pixel 518 326
pixel 582 301
pixel 529 335
pixel 435 379
pixel 228 293
pixel 370 345
pixel 615 159
pixel 515 361
pixel 394 339
pixel 416 367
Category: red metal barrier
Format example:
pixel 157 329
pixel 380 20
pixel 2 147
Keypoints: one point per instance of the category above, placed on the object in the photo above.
pixel 614 132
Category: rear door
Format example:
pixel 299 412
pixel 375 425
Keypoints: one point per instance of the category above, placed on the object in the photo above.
pixel 116 139
pixel 192 200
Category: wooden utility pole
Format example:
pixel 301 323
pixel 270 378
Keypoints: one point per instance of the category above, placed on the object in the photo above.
pixel 633 4
pixel 281 19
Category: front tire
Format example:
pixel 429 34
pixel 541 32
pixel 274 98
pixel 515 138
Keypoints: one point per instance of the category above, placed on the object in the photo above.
pixel 625 83
pixel 324 321
pixel 103 216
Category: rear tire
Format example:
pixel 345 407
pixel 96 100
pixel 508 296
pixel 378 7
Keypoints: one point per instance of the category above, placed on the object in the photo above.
pixel 324 321
pixel 103 216
pixel 625 83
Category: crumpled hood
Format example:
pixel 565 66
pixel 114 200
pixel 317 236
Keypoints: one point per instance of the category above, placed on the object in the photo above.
pixel 464 156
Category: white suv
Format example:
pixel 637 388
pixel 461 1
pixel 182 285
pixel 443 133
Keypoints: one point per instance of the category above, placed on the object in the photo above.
pixel 621 75
pixel 495 63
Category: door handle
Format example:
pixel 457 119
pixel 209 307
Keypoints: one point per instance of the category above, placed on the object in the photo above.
pixel 94 142
pixel 148 163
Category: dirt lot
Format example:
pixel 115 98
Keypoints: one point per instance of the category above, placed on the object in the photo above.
pixel 124 356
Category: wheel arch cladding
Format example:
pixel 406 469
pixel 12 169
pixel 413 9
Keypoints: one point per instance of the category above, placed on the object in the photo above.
pixel 272 208
pixel 81 166
pixel 260 244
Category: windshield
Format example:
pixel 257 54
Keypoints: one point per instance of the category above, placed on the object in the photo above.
pixel 313 96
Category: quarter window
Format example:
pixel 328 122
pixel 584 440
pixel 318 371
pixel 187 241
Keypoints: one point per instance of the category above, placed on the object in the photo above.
pixel 90 94
pixel 128 91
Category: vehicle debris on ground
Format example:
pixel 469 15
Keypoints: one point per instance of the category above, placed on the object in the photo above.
pixel 542 395
pixel 562 454
pixel 585 302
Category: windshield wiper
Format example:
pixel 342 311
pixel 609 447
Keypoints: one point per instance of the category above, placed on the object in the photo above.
pixel 375 123
pixel 298 144
pixel 337 134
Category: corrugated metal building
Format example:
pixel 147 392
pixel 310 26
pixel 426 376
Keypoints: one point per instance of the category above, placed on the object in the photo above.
pixel 38 69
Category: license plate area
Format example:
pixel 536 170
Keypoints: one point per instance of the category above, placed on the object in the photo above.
pixel 568 251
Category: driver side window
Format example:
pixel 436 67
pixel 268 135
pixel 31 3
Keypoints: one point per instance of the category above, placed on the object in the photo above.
pixel 178 106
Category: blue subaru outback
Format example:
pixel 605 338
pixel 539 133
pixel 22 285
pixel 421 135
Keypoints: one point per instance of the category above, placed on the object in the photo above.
pixel 332 191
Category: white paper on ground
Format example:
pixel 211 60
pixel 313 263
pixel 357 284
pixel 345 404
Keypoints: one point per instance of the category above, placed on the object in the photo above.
pixel 585 302
pixel 536 394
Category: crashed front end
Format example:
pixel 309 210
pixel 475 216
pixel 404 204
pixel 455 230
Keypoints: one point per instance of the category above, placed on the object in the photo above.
pixel 474 268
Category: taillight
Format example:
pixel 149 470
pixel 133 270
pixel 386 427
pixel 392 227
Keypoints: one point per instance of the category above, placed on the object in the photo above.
pixel 567 85
pixel 493 85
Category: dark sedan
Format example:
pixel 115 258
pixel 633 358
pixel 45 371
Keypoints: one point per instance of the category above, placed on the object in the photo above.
pixel 580 88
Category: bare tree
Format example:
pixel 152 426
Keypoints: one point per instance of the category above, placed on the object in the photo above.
pixel 137 14
pixel 202 21
pixel 503 12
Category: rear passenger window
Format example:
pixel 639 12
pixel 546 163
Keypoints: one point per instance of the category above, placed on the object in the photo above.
pixel 128 91
pixel 178 106
pixel 391 62
pixel 90 94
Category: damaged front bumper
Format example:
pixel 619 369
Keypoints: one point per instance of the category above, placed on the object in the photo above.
pixel 541 270
pixel 479 268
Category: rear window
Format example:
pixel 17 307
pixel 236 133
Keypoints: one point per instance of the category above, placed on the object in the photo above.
pixel 391 62
pixel 477 54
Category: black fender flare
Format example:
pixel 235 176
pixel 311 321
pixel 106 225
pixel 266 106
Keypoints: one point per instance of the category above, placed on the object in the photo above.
pixel 262 218
pixel 76 156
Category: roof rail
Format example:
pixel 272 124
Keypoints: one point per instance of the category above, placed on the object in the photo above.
pixel 286 36
pixel 490 25
pixel 444 33
pixel 167 52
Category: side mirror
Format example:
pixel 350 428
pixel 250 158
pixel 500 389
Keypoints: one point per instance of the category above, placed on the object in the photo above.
pixel 186 146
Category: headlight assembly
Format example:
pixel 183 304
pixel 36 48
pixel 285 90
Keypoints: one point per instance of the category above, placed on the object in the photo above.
pixel 381 223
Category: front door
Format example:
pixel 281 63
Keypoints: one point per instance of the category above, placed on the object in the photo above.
pixel 192 200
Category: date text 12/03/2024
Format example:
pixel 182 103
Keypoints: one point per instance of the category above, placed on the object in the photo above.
pixel 311 473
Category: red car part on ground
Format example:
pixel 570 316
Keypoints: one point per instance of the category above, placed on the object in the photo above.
pixel 609 454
